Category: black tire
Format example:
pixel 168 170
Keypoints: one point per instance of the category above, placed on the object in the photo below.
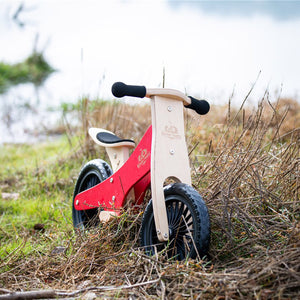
pixel 92 173
pixel 189 236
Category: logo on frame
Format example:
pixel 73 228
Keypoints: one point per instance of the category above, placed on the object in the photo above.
pixel 171 132
pixel 143 157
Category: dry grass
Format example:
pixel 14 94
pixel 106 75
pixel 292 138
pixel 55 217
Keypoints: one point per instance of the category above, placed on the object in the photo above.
pixel 246 164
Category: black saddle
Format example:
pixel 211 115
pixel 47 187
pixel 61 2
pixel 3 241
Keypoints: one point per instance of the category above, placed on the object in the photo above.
pixel 109 138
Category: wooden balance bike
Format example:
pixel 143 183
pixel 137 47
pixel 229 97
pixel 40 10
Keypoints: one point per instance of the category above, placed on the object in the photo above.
pixel 176 218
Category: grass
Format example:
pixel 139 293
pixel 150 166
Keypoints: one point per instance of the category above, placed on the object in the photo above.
pixel 33 69
pixel 37 184
pixel 245 163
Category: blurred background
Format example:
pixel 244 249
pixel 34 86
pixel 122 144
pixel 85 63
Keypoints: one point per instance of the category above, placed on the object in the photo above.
pixel 66 50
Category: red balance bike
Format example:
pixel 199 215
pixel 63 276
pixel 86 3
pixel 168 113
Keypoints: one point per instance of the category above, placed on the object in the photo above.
pixel 176 217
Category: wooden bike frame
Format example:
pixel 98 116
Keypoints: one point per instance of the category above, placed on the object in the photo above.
pixel 162 150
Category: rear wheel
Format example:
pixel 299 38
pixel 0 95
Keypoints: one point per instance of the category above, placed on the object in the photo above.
pixel 189 225
pixel 94 172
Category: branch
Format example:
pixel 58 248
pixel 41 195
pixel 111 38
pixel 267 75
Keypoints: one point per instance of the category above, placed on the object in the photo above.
pixel 59 294
pixel 29 295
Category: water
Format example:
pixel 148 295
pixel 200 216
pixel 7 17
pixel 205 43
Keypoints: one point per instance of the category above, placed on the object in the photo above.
pixel 208 49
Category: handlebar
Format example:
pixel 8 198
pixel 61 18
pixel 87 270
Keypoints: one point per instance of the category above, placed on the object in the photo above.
pixel 201 107
pixel 120 89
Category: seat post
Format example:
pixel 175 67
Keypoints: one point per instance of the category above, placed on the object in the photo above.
pixel 118 156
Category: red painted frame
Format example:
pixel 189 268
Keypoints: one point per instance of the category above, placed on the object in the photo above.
pixel 111 193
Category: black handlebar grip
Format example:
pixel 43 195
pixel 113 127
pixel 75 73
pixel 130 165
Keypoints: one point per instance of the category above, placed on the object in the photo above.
pixel 200 106
pixel 120 89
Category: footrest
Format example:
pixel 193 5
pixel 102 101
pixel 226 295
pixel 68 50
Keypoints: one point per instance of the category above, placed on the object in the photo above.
pixel 106 138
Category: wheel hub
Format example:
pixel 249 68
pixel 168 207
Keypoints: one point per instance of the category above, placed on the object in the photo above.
pixel 171 232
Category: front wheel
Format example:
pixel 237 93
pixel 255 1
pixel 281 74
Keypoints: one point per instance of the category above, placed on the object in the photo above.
pixel 189 225
pixel 94 172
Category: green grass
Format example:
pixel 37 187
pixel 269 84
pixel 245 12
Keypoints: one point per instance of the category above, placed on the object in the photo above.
pixel 43 176
pixel 33 69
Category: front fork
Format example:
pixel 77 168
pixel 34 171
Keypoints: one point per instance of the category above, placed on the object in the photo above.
pixel 169 156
